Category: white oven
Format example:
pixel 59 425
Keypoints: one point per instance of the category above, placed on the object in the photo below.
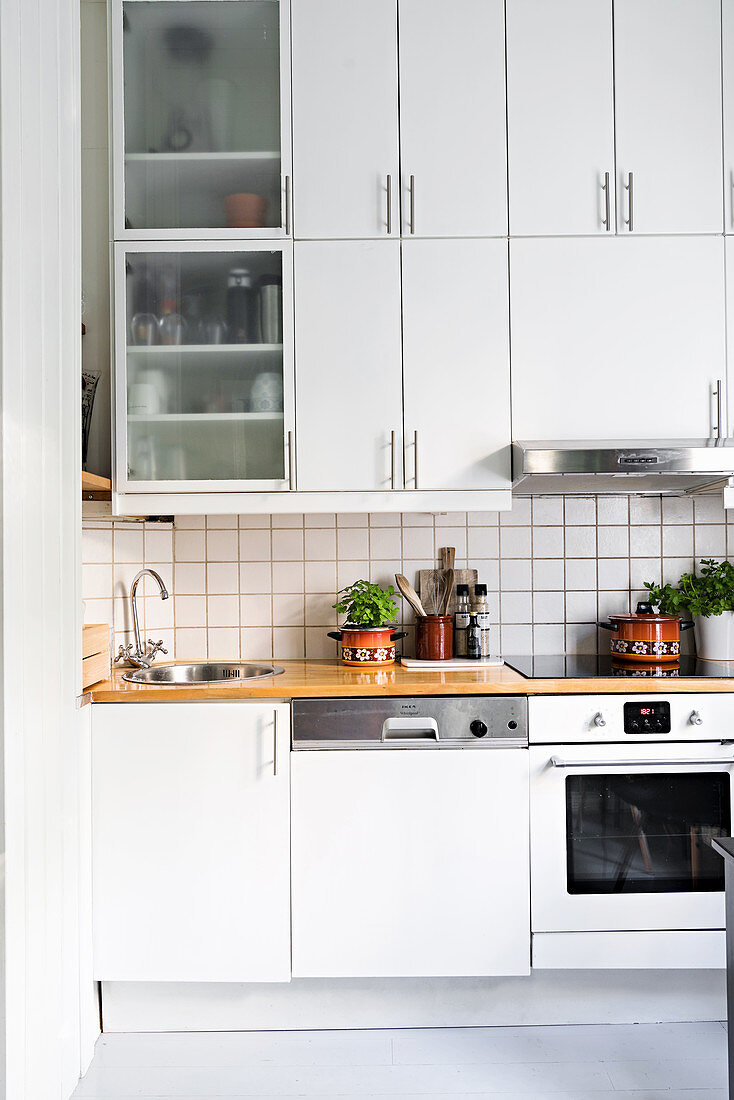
pixel 626 795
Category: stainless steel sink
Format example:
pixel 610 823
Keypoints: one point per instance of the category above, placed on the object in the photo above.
pixel 200 673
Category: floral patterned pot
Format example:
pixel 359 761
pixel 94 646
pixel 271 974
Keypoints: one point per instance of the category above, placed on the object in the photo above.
pixel 644 637
pixel 363 646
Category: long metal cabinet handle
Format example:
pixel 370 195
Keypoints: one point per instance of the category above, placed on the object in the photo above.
pixel 392 460
pixel 607 220
pixel 411 191
pixel 633 765
pixel 287 205
pixel 415 458
pixel 292 484
pixel 275 741
pixel 719 409
pixel 389 203
pixel 629 188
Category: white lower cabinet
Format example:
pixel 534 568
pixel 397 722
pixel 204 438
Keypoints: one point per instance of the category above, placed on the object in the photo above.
pixel 191 842
pixel 410 863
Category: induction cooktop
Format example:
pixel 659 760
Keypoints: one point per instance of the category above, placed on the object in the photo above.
pixel 591 666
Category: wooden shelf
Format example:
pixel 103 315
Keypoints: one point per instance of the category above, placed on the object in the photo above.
pixel 95 487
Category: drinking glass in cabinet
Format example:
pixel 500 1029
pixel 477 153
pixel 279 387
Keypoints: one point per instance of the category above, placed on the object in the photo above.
pixel 202 114
pixel 204 365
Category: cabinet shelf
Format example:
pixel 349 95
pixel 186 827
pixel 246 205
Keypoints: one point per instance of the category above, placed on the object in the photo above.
pixel 200 418
pixel 193 158
pixel 167 350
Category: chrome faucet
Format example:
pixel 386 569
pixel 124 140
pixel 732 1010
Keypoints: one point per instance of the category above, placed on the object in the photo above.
pixel 142 658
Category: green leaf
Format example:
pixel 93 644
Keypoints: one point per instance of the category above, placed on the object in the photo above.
pixel 366 604
pixel 707 593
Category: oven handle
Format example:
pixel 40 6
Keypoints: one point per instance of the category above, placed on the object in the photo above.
pixel 557 762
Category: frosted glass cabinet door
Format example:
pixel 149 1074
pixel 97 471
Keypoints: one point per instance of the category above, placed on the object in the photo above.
pixel 204 373
pixel 201 117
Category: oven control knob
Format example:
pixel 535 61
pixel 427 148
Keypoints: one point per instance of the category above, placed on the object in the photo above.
pixel 695 718
pixel 478 728
pixel 634 726
pixel 599 719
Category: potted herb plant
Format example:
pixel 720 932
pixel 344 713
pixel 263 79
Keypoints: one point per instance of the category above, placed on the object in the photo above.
pixel 709 598
pixel 368 635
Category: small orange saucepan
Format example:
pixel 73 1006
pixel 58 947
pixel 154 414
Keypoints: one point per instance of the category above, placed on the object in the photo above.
pixel 364 646
pixel 644 636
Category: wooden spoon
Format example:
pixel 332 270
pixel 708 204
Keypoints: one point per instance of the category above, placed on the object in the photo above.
pixel 449 591
pixel 409 593
pixel 448 557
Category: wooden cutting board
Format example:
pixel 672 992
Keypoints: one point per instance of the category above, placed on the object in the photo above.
pixel 461 576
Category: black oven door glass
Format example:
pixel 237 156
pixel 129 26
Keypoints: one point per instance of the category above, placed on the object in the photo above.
pixel 645 834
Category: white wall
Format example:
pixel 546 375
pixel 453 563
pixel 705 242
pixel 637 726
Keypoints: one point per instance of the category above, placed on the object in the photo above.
pixel 49 1019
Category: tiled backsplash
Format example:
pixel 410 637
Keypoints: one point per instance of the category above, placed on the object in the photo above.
pixel 263 586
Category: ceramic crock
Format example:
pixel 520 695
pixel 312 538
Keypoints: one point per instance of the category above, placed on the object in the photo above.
pixel 644 637
pixel 715 636
pixel 364 646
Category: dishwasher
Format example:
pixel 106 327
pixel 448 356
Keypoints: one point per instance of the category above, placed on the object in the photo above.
pixel 410 837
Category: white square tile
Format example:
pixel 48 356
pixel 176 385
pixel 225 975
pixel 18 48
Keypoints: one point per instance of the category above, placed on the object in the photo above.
pixel 613 573
pixel 580 511
pixel 98 611
pixel 288 609
pixel 320 576
pixel 383 573
pixel 483 542
pixel 223 611
pixel 285 520
pixel 287 576
pixel 222 578
pixel 516 639
pixel 216 523
pixel 709 509
pixel 612 510
pixel 255 545
pixel 518 515
pixel 418 542
pixel 189 611
pixel 644 542
pixel 97 546
pixel 582 638
pixel 128 546
pixel 158 613
pixel 677 510
pixel 483 519
pixel 488 572
pixel 320 544
pixel 385 543
pixel 319 610
pixel 674 568
pixel 385 519
pixel 353 544
pixel 516 607
pixel 450 519
pixel 417 519
pixel 548 638
pixel 352 519
pixel 255 610
pixel 222 546
pixel 189 545
pixel 612 542
pixel 581 607
pixel 122 616
pixel 710 540
pixel 678 541
pixel 256 643
pixel 316 519
pixel 580 574
pixel 255 577
pixel 580 541
pixel 516 576
pixel 643 569
pixel 547 511
pixel 191 644
pixel 254 522
pixel 223 644
pixel 454 537
pixel 189 578
pixel 158 545
pixel 645 510
pixel 190 523
pixel 548 574
pixel 613 603
pixel 548 607
pixel 515 542
pixel 96 581
pixel 288 643
pixel 123 577
pixel 347 572
pixel 548 542
pixel 319 646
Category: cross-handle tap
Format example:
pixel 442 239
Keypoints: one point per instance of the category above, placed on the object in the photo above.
pixel 140 657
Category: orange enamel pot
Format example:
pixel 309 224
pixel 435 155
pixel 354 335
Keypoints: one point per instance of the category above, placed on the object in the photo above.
pixel 644 637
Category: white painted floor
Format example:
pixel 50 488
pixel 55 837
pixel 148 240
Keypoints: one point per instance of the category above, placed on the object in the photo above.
pixel 641 1061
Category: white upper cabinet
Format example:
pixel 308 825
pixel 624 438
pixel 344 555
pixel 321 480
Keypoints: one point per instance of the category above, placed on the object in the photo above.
pixel 452 118
pixel 349 380
pixel 560 113
pixel 616 339
pixel 727 53
pixel 668 115
pixel 345 118
pixel 456 364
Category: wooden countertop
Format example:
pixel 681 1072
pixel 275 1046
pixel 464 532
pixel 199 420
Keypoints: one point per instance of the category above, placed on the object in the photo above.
pixel 304 679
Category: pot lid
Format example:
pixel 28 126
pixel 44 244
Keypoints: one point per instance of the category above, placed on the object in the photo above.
pixel 644 613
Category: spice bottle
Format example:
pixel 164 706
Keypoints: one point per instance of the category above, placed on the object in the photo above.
pixel 480 608
pixel 461 619
pixel 473 639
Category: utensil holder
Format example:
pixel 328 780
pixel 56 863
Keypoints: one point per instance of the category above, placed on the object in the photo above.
pixel 434 638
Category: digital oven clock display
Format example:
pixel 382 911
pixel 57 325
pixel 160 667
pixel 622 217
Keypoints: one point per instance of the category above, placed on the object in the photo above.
pixel 647 718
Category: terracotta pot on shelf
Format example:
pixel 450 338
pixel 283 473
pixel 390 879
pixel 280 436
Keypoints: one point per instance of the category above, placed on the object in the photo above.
pixel 644 637
pixel 367 646
pixel 245 210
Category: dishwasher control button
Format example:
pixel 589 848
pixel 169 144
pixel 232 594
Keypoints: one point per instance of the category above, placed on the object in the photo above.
pixel 478 728
pixel 512 724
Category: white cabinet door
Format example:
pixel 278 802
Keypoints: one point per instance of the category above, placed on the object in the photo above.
pixel 410 863
pixel 191 842
pixel 727 54
pixel 560 116
pixel 345 118
pixel 452 118
pixel 616 339
pixel 349 398
pixel 667 68
pixel 456 364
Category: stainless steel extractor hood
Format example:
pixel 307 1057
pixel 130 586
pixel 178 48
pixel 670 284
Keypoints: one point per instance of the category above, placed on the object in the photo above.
pixel 615 467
